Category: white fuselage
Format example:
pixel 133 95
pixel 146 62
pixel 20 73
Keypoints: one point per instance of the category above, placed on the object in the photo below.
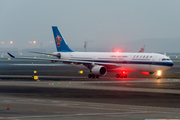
pixel 114 62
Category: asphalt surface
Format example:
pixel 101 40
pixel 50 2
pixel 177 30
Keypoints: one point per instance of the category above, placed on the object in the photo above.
pixel 88 100
pixel 46 68
pixel 62 93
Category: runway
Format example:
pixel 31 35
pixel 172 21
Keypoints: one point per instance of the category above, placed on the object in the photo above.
pixel 87 99
pixel 62 93
pixel 46 68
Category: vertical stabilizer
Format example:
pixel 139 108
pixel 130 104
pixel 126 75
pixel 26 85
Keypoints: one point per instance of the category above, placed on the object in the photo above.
pixel 61 45
pixel 142 49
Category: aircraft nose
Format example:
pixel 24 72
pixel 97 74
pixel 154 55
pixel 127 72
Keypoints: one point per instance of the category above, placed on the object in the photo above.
pixel 171 64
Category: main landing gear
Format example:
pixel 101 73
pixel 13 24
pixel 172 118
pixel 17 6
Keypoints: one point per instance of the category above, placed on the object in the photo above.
pixel 93 76
pixel 121 75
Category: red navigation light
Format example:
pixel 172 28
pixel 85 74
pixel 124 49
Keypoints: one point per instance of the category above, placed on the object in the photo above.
pixel 117 50
pixel 124 72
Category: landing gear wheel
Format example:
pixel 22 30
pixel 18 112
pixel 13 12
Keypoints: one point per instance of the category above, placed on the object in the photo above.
pixel 125 76
pixel 93 76
pixel 117 75
pixel 89 76
pixel 97 76
pixel 121 76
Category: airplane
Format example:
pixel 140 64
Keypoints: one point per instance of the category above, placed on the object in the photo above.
pixel 101 63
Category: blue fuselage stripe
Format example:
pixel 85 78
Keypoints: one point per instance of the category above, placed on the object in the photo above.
pixel 160 63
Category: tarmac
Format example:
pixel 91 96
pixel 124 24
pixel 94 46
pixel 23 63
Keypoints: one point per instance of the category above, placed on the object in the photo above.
pixel 90 99
pixel 62 93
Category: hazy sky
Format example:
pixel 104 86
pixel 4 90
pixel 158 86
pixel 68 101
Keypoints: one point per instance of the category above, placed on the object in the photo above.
pixel 105 22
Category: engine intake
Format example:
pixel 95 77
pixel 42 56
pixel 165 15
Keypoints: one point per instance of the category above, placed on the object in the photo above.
pixel 99 70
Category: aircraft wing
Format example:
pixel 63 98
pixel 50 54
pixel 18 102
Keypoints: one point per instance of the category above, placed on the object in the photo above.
pixel 31 58
pixel 58 55
pixel 88 64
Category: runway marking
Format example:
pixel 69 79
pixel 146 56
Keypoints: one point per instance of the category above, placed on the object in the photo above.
pixel 96 105
pixel 8 118
pixel 70 115
pixel 75 104
pixel 7 100
pixel 21 100
pixel 36 100
pixel 61 104
pixel 55 101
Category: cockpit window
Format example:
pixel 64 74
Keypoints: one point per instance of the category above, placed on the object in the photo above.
pixel 165 59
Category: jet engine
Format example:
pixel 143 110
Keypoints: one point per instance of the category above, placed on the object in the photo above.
pixel 99 70
pixel 151 73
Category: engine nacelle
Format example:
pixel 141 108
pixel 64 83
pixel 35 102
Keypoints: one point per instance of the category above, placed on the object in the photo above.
pixel 151 73
pixel 99 70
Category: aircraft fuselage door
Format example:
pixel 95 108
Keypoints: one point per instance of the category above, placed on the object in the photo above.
pixel 153 60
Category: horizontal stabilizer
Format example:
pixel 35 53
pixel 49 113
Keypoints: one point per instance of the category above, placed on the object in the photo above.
pixel 11 55
pixel 42 53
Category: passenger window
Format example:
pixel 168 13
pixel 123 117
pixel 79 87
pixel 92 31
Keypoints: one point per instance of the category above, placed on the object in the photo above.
pixel 141 56
pixel 144 56
pixel 134 56
pixel 150 56
pixel 147 56
pixel 137 56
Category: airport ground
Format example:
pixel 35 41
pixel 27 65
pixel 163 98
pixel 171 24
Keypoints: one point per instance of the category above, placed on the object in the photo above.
pixel 62 93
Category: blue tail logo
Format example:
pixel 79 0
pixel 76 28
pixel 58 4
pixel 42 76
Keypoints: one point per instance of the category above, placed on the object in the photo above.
pixel 61 45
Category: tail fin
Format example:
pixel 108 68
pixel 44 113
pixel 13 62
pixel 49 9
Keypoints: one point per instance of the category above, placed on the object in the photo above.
pixel 142 49
pixel 59 41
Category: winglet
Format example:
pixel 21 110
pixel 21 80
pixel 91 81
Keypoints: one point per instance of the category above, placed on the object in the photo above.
pixel 10 55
